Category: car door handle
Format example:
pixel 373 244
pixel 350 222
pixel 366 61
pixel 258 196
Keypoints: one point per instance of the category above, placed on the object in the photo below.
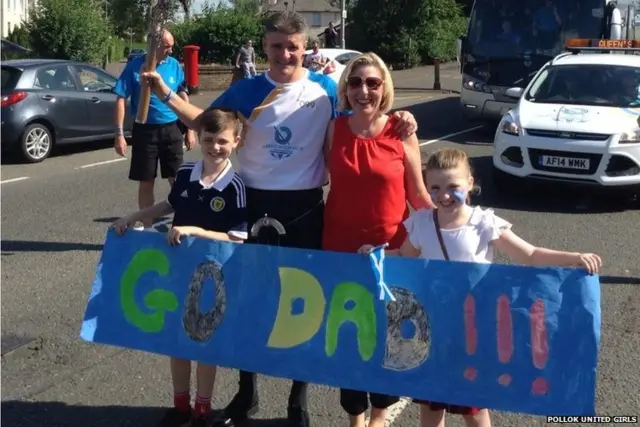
pixel 48 97
pixel 95 100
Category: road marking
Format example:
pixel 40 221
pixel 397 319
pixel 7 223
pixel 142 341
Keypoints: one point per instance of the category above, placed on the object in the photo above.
pixel 440 138
pixel 7 181
pixel 106 162
pixel 393 411
pixel 400 98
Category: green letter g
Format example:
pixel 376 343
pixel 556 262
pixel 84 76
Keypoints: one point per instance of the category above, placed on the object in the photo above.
pixel 159 300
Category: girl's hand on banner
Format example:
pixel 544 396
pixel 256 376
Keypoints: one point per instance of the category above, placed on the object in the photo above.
pixel 121 225
pixel 366 249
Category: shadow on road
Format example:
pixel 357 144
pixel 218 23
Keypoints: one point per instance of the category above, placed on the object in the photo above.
pixel 59 414
pixel 30 246
pixel 437 117
pixel 619 280
pixel 545 196
pixel 111 219
pixel 107 220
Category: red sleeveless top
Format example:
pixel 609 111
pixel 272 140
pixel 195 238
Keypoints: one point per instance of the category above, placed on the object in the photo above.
pixel 367 198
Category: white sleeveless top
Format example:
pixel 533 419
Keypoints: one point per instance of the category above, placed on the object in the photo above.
pixel 470 243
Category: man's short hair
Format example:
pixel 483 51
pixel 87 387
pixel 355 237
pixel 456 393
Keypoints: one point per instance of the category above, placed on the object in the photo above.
pixel 216 120
pixel 288 23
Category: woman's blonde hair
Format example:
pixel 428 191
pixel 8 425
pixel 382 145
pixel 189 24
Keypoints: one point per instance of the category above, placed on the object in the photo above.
pixel 364 60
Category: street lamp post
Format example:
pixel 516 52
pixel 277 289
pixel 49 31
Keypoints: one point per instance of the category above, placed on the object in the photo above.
pixel 343 18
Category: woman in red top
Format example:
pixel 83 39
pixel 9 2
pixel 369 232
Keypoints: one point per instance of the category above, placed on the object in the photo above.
pixel 374 173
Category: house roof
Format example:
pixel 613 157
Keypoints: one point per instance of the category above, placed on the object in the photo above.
pixel 307 5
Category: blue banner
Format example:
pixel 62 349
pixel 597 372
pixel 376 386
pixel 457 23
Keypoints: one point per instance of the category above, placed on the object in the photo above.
pixel 511 338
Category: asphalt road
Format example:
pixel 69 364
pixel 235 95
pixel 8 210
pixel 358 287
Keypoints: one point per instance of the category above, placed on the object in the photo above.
pixel 54 219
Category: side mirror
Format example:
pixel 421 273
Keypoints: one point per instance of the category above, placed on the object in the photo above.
pixel 459 42
pixel 514 92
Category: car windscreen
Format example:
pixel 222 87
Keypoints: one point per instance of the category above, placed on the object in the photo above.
pixel 504 28
pixel 587 84
pixel 10 77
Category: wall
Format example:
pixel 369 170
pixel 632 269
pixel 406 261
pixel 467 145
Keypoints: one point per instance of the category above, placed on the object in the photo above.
pixel 13 13
pixel 216 77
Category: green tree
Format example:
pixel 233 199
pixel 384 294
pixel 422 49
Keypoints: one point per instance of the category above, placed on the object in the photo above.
pixel 219 31
pixel 186 8
pixel 446 24
pixel 19 35
pixel 68 29
pixel 128 18
pixel 404 39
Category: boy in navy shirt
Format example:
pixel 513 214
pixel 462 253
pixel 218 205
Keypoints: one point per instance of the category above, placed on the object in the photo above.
pixel 209 201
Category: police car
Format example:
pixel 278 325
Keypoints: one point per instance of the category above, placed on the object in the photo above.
pixel 577 120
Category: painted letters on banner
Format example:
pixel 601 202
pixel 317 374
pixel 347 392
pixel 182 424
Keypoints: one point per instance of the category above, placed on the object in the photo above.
pixel 511 338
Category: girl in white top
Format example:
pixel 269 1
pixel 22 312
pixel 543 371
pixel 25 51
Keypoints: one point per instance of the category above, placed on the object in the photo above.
pixel 468 234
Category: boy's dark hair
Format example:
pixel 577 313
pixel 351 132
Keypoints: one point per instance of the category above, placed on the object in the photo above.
pixel 216 120
pixel 288 23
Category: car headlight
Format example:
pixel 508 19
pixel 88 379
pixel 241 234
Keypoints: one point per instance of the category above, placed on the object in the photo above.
pixel 509 126
pixel 630 137
pixel 475 85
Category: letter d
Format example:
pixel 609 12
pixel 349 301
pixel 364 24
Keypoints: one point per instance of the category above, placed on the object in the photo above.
pixel 290 330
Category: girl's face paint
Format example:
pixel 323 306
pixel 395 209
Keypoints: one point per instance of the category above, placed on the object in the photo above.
pixel 449 188
pixel 460 194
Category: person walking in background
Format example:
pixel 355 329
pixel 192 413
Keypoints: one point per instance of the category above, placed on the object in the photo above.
pixel 246 59
pixel 331 37
pixel 160 138
pixel 316 60
pixel 370 165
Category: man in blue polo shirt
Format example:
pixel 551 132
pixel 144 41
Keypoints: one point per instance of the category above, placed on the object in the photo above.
pixel 160 138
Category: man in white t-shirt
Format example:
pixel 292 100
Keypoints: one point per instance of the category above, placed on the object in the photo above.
pixel 315 61
pixel 286 111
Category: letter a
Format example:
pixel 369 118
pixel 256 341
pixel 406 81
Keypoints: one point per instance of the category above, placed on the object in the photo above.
pixel 363 315
pixel 290 330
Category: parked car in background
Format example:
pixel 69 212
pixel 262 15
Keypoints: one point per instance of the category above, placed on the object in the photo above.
pixel 338 59
pixel 576 121
pixel 48 102
pixel 134 53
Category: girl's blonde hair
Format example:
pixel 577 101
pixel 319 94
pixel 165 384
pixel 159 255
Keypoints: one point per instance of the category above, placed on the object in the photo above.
pixel 364 60
pixel 448 158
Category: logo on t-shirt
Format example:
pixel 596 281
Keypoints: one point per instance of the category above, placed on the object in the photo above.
pixel 282 148
pixel 217 204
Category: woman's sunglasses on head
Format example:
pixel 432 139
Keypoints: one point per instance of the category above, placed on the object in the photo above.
pixel 355 82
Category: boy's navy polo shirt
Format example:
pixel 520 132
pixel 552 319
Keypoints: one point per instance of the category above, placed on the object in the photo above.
pixel 128 85
pixel 220 206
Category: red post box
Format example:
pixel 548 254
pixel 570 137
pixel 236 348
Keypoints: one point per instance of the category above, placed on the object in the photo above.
pixel 191 67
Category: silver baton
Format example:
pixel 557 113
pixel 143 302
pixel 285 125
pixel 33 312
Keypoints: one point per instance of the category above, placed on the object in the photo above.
pixel 267 221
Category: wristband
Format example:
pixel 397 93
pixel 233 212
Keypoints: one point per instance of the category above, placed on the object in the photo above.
pixel 119 131
pixel 168 97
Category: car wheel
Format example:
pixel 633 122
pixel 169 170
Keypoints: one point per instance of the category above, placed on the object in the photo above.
pixel 36 143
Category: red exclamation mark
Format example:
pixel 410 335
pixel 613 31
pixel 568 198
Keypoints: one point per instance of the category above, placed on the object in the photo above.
pixel 505 335
pixel 470 334
pixel 539 345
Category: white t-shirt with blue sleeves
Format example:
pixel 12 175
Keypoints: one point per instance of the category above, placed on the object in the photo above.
pixel 286 124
